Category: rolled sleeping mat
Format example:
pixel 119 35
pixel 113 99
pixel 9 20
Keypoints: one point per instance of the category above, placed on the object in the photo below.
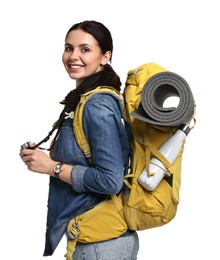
pixel 154 93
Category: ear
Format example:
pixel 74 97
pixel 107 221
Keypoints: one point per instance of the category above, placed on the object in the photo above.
pixel 106 58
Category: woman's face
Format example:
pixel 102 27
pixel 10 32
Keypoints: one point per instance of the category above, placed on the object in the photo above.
pixel 82 55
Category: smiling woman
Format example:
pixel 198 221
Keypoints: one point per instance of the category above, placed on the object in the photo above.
pixel 76 185
pixel 82 56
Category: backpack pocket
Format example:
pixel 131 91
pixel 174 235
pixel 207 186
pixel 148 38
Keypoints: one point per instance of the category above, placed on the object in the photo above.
pixel 103 222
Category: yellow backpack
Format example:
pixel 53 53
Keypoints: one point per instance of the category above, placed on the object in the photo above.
pixel 135 208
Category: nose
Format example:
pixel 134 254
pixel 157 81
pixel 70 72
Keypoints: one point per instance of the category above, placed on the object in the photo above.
pixel 74 55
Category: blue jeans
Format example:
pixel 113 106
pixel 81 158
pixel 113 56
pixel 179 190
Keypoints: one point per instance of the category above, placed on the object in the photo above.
pixel 121 248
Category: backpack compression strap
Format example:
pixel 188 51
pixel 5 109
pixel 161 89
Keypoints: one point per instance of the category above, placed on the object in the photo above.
pixel 150 148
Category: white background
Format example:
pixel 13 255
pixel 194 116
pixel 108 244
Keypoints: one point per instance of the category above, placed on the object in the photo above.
pixel 182 36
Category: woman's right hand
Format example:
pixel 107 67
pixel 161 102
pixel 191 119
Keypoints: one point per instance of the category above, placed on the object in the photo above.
pixel 37 160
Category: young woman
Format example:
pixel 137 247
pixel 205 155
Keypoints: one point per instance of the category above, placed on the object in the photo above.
pixel 75 185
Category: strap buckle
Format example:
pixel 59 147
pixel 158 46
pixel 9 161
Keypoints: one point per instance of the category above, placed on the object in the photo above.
pixel 74 232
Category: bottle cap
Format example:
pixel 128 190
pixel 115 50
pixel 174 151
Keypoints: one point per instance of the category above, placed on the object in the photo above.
pixel 185 128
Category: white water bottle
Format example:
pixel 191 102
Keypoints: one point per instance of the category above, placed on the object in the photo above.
pixel 170 149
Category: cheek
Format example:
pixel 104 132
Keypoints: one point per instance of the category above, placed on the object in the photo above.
pixel 91 60
pixel 64 58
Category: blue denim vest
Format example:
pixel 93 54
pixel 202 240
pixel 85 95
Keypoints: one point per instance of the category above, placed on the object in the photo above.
pixel 105 131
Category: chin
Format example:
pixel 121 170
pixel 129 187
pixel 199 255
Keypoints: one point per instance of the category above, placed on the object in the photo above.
pixel 74 76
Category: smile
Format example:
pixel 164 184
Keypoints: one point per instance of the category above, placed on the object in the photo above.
pixel 75 66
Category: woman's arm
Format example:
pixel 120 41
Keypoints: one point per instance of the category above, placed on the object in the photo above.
pixel 38 161
pixel 102 123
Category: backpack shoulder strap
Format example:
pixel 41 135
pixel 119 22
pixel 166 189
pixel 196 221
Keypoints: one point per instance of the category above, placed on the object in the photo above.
pixel 78 116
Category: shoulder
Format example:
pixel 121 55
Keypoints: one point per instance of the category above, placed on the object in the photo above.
pixel 101 100
pixel 102 110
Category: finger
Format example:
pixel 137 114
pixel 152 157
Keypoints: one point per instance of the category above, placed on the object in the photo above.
pixel 30 144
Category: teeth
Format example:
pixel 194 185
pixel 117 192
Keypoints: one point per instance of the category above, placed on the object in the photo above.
pixel 75 66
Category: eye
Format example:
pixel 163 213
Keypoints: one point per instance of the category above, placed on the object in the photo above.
pixel 85 49
pixel 68 48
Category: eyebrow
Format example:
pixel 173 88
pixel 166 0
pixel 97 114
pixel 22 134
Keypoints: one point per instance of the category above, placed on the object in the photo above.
pixel 81 45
